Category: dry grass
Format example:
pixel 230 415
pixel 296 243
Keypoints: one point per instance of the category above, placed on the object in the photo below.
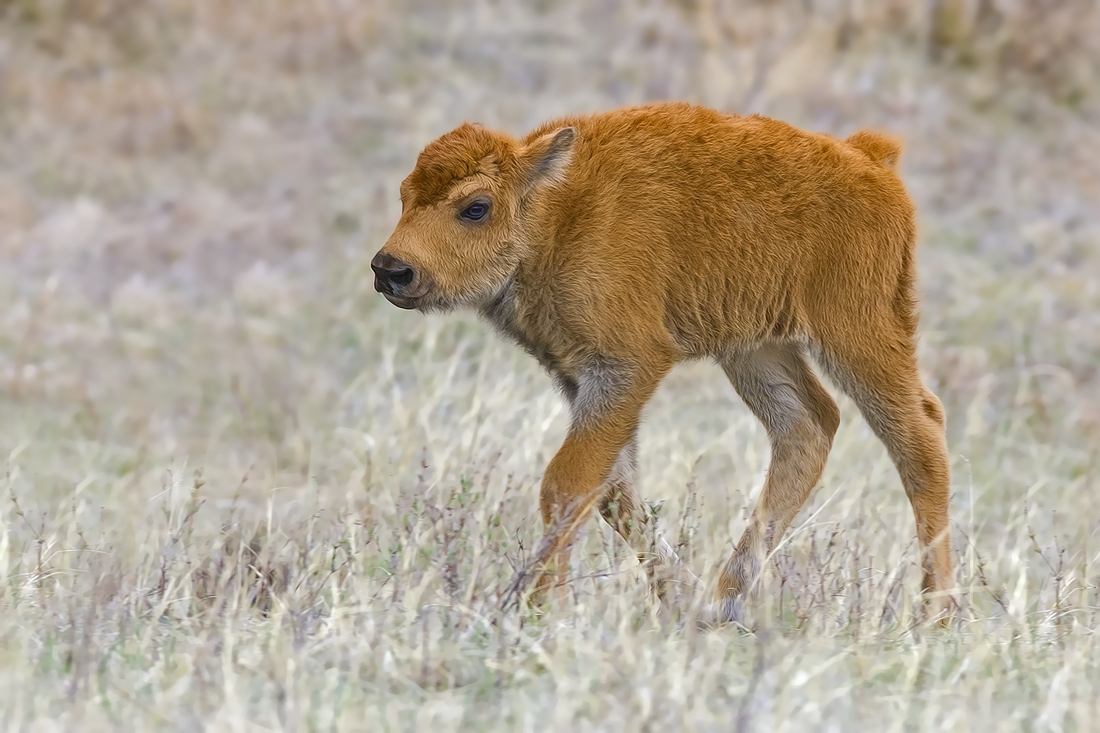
pixel 242 493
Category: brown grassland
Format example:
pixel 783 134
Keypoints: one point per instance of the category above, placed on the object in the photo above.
pixel 242 492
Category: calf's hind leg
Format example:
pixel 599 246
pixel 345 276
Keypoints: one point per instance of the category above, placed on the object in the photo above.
pixel 801 418
pixel 909 420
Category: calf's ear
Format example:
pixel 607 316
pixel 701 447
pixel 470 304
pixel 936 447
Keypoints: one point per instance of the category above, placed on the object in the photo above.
pixel 544 161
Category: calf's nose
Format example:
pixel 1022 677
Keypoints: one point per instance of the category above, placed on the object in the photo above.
pixel 390 273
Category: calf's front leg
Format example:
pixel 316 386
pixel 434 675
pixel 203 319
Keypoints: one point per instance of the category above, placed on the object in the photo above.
pixel 620 505
pixel 606 411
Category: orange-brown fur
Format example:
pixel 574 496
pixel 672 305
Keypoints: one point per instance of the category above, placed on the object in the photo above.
pixel 621 243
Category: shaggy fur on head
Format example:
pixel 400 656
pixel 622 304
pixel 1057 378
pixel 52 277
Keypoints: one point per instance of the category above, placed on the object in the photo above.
pixel 461 153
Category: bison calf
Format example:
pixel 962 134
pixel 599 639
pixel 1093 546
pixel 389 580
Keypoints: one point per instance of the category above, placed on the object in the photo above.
pixel 613 246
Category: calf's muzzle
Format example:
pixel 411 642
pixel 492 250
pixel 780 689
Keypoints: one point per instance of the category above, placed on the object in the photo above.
pixel 391 275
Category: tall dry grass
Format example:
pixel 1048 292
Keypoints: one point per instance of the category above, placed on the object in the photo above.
pixel 240 493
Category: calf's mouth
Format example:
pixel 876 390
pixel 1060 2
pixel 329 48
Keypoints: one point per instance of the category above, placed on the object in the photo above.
pixel 403 301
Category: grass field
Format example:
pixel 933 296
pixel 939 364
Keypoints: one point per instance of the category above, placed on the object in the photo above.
pixel 244 493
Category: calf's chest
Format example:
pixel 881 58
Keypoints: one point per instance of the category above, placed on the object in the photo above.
pixel 537 333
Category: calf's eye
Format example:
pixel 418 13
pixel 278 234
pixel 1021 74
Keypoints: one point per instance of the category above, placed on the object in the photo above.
pixel 475 211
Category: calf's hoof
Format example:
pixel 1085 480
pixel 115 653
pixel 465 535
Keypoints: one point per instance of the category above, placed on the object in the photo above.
pixel 728 613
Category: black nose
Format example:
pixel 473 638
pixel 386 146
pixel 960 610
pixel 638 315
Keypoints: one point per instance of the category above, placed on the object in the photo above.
pixel 390 273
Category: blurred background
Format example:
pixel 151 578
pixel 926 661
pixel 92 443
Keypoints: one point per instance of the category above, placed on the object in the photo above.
pixel 191 192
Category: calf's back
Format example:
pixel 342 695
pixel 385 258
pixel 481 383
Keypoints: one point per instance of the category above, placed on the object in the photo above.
pixel 721 230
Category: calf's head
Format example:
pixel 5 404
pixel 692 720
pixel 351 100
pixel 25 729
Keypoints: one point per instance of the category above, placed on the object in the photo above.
pixel 461 235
